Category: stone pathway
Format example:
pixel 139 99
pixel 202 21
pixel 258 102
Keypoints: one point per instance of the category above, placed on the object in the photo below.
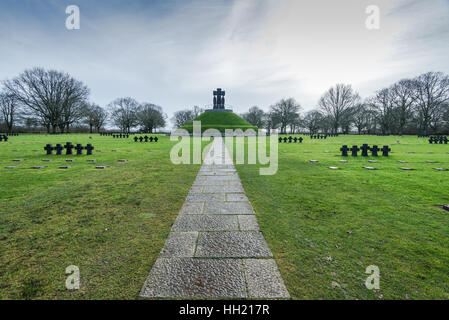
pixel 215 248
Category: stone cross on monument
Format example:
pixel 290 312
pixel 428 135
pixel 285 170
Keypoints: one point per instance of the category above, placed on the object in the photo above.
pixel 219 99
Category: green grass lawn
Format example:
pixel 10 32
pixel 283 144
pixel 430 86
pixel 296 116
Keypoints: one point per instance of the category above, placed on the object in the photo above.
pixel 110 223
pixel 325 227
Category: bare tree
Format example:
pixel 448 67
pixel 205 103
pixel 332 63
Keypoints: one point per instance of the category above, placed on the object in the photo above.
pixel 336 101
pixel 94 116
pixel 8 108
pixel 271 121
pixel 255 116
pixel 285 110
pixel 124 113
pixel 382 103
pixel 51 95
pixel 431 92
pixel 403 98
pixel 197 111
pixel 313 121
pixel 360 117
pixel 150 117
pixel 181 117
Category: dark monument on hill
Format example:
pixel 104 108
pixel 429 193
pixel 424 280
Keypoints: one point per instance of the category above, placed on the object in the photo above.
pixel 219 101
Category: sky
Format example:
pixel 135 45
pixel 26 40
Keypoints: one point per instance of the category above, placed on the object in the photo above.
pixel 175 53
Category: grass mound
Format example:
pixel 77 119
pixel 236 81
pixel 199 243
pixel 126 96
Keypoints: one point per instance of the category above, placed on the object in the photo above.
pixel 220 121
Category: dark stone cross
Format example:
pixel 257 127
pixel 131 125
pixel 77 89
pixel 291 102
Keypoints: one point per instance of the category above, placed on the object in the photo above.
pixel 354 151
pixel 374 150
pixel 146 138
pixel 431 140
pixel 156 139
pixel 295 140
pixel 89 149
pixel 344 151
pixel 300 139
pixel 135 139
pixel 280 140
pixel 1 138
pixel 151 139
pixel 365 148
pixel 49 149
pixel 385 150
pixel 59 149
pixel 219 99
pixel 69 146
pixel 140 139
pixel 290 139
pixel 79 149
pixel 285 140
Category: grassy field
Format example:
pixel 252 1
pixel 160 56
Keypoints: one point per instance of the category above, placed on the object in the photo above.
pixel 326 226
pixel 323 226
pixel 111 223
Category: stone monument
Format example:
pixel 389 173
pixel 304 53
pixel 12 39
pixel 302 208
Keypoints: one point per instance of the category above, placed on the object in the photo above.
pixel 219 101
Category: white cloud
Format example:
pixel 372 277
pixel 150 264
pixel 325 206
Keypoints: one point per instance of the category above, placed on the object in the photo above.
pixel 258 50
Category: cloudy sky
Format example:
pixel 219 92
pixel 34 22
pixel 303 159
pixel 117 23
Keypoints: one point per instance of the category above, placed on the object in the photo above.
pixel 174 53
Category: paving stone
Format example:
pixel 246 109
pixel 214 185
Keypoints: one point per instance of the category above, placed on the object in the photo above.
pixel 272 285
pixel 215 173
pixel 195 278
pixel 221 178
pixel 196 189
pixel 248 223
pixel 236 197
pixel 202 197
pixel 225 189
pixel 211 183
pixel 228 208
pixel 234 183
pixel 232 245
pixel 205 223
pixel 192 208
pixel 180 245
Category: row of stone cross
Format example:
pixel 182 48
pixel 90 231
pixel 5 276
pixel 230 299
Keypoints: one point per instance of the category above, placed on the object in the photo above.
pixel 113 134
pixel 438 139
pixel 120 135
pixel 69 149
pixel 11 134
pixel 290 139
pixel 319 136
pixel 365 148
pixel 4 138
pixel 146 138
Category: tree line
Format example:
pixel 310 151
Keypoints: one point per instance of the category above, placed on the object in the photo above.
pixel 57 102
pixel 410 106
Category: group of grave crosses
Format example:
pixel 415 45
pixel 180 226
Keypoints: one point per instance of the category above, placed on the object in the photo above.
pixel 290 139
pixel 69 149
pixel 146 138
pixel 438 139
pixel 365 148
pixel 3 138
